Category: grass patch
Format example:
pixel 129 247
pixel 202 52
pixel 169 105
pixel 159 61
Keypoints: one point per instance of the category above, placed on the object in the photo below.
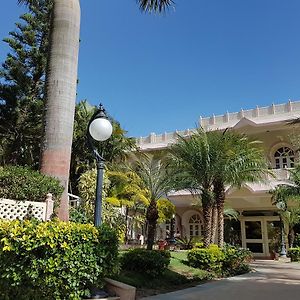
pixel 178 276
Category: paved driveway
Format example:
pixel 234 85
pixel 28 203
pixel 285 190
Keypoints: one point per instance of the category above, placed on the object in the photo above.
pixel 270 281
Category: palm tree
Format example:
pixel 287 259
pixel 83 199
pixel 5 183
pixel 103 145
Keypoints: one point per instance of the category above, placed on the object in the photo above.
pixel 156 178
pixel 286 193
pixel 61 83
pixel 239 161
pixel 210 161
pixel 196 159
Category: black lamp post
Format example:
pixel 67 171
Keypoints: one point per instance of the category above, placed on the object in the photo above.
pixel 282 206
pixel 99 129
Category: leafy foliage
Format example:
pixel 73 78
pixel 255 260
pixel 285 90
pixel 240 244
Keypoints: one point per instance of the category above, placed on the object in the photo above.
pixel 20 183
pixel 156 176
pixel 166 210
pixel 115 149
pixel 210 160
pixel 226 261
pixel 22 80
pixel 150 262
pixel 53 260
pixel 294 254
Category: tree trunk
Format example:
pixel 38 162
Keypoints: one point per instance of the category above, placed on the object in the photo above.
pixel 61 84
pixel 151 216
pixel 214 224
pixel 219 191
pixel 207 215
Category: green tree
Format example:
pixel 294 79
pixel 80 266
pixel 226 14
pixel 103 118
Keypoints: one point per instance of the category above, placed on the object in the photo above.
pixel 155 175
pixel 22 78
pixel 211 160
pixel 289 193
pixel 240 160
pixel 115 149
pixel 61 85
pixel 196 160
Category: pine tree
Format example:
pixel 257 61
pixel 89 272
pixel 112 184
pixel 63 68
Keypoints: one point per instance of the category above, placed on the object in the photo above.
pixel 22 85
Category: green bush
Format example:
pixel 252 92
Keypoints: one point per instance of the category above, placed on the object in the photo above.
pixel 294 254
pixel 150 262
pixel 20 183
pixel 236 260
pixel 53 260
pixel 224 261
pixel 209 259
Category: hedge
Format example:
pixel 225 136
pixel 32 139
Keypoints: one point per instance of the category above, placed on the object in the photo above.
pixel 53 260
pixel 20 183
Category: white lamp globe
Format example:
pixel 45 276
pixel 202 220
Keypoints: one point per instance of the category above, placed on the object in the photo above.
pixel 100 129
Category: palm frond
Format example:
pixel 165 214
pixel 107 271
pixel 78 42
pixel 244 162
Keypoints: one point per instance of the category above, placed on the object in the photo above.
pixel 155 5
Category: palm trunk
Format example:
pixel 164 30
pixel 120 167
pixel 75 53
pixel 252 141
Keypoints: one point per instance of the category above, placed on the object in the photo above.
pixel 152 216
pixel 207 215
pixel 219 191
pixel 60 95
pixel 214 224
pixel 207 206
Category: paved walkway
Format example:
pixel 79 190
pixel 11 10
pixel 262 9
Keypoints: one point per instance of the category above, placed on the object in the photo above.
pixel 271 280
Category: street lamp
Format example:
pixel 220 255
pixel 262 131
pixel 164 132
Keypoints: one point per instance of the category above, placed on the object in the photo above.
pixel 99 129
pixel 282 206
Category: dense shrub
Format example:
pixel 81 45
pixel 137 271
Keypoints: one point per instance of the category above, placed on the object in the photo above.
pixel 224 261
pixel 294 254
pixel 209 259
pixel 20 183
pixel 236 260
pixel 53 260
pixel 150 262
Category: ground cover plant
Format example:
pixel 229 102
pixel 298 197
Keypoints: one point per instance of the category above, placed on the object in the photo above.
pixel 54 260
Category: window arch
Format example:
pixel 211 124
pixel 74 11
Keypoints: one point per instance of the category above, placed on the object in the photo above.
pixel 195 225
pixel 284 158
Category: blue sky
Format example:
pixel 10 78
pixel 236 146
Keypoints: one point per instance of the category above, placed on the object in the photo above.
pixel 160 73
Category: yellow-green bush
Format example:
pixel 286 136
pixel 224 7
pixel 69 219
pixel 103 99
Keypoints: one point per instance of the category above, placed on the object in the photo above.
pixel 53 260
pixel 225 261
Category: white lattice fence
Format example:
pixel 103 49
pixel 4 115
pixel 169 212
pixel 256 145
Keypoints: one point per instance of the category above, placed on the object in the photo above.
pixel 12 209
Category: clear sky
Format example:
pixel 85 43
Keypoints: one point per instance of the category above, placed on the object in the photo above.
pixel 160 73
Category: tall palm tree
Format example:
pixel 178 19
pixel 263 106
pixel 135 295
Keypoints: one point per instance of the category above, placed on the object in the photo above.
pixel 156 178
pixel 61 85
pixel 240 160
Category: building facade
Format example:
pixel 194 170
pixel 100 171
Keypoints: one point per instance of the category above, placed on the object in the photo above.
pixel 258 218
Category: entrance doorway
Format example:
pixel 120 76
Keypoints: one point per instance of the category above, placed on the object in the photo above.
pixel 257 234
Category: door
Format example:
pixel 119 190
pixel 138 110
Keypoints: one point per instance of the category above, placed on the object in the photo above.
pixel 255 235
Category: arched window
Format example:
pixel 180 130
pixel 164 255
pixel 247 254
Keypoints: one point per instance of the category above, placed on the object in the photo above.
pixel 284 158
pixel 195 225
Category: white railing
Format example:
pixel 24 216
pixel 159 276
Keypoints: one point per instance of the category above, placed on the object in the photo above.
pixel 14 209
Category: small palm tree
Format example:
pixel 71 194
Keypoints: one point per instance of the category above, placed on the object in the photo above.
pixel 285 193
pixel 155 176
